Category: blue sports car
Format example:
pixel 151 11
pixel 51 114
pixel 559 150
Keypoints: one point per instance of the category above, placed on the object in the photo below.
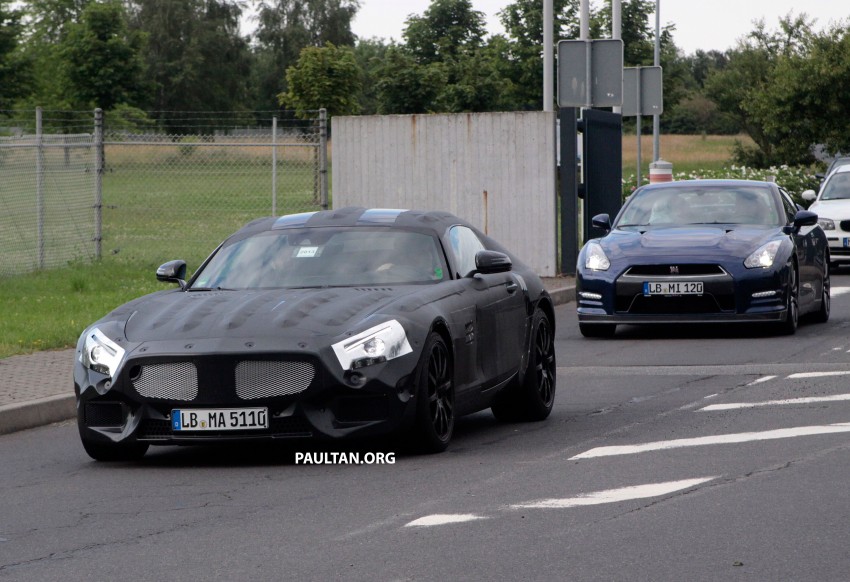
pixel 704 251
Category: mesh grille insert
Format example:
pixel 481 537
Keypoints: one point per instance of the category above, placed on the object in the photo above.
pixel 264 379
pixel 170 381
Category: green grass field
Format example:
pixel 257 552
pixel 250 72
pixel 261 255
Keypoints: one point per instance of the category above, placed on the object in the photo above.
pixel 174 205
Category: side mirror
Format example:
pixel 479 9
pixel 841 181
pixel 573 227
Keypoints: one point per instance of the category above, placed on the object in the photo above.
pixel 172 272
pixel 820 176
pixel 805 218
pixel 602 221
pixel 487 262
pixel 809 195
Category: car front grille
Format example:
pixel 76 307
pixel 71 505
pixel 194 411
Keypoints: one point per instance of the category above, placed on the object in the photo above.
pixel 167 381
pixel 686 270
pixel 269 378
pixel 104 414
pixel 688 304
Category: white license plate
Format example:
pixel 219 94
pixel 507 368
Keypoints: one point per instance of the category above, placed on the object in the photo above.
pixel 192 419
pixel 672 288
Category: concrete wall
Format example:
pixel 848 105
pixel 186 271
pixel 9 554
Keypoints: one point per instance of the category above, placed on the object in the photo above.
pixel 496 170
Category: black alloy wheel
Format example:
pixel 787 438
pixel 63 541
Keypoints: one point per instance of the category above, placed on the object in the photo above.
pixel 792 311
pixel 533 399
pixel 822 314
pixel 435 411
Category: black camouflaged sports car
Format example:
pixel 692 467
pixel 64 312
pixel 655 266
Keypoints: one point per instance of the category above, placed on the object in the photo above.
pixel 331 324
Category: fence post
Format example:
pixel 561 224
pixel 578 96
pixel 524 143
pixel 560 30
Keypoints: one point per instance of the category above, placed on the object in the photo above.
pixel 274 165
pixel 99 159
pixel 39 183
pixel 323 158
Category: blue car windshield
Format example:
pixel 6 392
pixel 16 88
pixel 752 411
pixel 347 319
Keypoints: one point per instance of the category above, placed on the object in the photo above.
pixel 689 204
pixel 324 257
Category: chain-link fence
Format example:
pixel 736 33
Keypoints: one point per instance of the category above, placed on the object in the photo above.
pixel 47 192
pixel 177 193
pixel 171 186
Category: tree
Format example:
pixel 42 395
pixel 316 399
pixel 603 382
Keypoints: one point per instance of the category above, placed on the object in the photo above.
pixel 404 86
pixel 753 88
pixel 14 70
pixel 285 27
pixel 447 29
pixel 102 63
pixel 520 59
pixel 326 77
pixel 195 56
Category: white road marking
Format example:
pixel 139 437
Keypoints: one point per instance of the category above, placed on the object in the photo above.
pixel 714 440
pixel 615 495
pixel 809 400
pixel 710 396
pixel 819 374
pixel 760 380
pixel 443 519
pixel 836 291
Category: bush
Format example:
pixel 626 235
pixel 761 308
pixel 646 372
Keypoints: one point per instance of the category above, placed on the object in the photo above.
pixel 795 179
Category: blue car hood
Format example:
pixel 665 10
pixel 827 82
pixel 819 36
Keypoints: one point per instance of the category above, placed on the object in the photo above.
pixel 699 243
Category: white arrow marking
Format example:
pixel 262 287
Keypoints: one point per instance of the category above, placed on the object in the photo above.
pixel 809 400
pixel 615 495
pixel 722 439
pixel 443 518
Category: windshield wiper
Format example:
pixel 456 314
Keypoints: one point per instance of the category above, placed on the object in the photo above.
pixel 209 289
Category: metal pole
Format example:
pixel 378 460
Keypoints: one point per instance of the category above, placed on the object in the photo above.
pixel 548 54
pixel 323 158
pixel 99 159
pixel 638 128
pixel 584 16
pixel 39 184
pixel 656 119
pixel 616 30
pixel 274 166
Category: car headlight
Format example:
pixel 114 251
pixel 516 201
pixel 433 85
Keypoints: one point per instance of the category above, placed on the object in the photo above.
pixel 594 258
pixel 375 345
pixel 764 256
pixel 100 353
pixel 826 223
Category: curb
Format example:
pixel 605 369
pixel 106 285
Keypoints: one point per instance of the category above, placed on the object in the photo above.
pixel 34 413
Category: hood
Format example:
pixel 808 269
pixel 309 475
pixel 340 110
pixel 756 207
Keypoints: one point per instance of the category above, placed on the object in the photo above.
pixel 691 242
pixel 834 209
pixel 195 315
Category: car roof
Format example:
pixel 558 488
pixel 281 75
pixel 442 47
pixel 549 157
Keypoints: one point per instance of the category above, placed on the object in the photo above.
pixel 713 182
pixel 437 221
pixel 842 168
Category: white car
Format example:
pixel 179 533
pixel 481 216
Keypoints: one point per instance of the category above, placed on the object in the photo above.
pixel 832 205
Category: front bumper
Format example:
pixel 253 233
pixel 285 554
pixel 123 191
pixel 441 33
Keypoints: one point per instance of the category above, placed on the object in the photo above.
pixel 729 296
pixel 307 396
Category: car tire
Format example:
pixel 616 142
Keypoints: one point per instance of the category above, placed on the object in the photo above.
pixel 435 395
pixel 822 314
pixel 597 329
pixel 792 309
pixel 112 452
pixel 532 400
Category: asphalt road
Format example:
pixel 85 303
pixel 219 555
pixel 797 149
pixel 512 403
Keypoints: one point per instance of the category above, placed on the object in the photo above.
pixel 686 455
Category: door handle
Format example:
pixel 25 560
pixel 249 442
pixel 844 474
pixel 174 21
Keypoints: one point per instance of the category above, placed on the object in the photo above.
pixel 511 287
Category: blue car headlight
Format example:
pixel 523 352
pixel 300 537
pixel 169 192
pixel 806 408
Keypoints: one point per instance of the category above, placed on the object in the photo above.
pixel 594 258
pixel 375 345
pixel 764 256
pixel 100 353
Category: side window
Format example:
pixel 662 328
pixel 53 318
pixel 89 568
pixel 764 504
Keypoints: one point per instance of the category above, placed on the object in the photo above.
pixel 465 245
pixel 788 204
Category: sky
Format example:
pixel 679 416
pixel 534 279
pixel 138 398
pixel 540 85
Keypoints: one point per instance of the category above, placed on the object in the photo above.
pixel 700 24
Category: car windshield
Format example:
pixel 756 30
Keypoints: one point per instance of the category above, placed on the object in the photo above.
pixel 690 204
pixel 324 257
pixel 837 187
